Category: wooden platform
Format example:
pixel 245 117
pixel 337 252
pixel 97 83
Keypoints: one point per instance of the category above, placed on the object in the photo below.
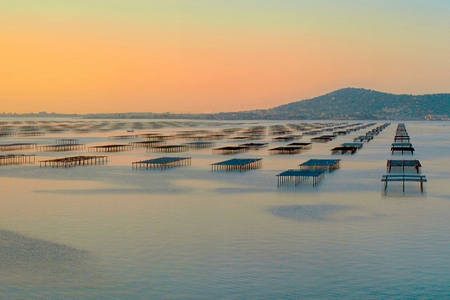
pixel 146 144
pixel 300 176
pixel 199 144
pixel 169 148
pixel 286 138
pixel 17 146
pixel 286 150
pixel 67 141
pixel 402 139
pixel 299 144
pixel 61 147
pixel 73 161
pixel 16 159
pixel 254 146
pixel 237 164
pixel 354 144
pixel 344 150
pixel 363 138
pixel 317 164
pixel 124 137
pixel 402 150
pixel 323 138
pixel 401 145
pixel 230 149
pixel 403 178
pixel 111 148
pixel 403 165
pixel 162 163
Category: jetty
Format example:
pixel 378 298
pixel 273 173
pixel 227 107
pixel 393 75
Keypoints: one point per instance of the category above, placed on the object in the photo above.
pixel 296 176
pixel 73 161
pixel 237 164
pixel 162 163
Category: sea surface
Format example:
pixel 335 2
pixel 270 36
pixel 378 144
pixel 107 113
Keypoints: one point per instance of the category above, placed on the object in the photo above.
pixel 111 232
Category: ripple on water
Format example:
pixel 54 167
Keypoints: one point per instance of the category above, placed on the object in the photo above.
pixel 21 252
pixel 319 212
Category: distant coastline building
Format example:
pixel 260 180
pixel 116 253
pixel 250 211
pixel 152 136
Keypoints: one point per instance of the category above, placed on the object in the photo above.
pixel 437 118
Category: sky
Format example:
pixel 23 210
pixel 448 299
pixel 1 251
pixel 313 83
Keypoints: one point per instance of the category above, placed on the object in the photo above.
pixel 183 56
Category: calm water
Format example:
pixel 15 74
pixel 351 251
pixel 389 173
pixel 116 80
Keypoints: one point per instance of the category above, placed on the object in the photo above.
pixel 187 233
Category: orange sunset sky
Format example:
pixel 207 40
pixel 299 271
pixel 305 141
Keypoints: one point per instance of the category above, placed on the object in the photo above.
pixel 76 56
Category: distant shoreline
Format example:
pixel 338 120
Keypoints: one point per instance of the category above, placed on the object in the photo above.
pixel 345 104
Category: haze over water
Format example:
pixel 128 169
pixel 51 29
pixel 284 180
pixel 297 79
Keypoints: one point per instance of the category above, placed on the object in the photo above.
pixel 188 233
